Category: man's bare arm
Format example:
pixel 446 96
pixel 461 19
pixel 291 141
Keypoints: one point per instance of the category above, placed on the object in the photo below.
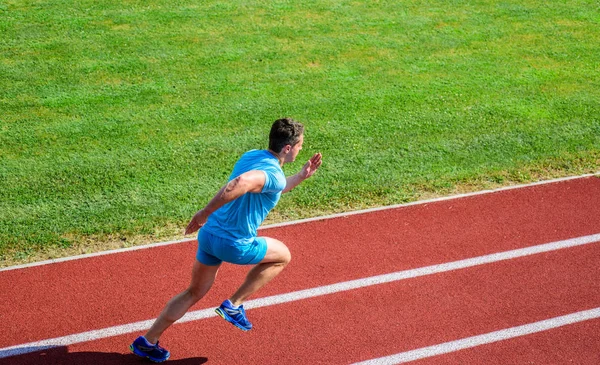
pixel 248 182
pixel 307 171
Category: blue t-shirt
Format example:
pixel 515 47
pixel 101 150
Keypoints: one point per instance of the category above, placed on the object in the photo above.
pixel 239 220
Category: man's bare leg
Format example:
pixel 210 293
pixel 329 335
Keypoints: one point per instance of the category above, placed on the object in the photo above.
pixel 277 257
pixel 203 277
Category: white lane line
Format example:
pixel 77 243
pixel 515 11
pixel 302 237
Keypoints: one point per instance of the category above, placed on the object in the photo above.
pixel 304 294
pixel 465 343
pixel 331 216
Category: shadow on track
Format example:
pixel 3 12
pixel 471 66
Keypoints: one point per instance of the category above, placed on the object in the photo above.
pixel 62 356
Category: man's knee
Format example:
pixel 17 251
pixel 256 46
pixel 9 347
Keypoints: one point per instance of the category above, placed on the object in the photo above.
pixel 277 252
pixel 286 257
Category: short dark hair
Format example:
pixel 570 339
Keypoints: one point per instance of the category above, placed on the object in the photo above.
pixel 283 132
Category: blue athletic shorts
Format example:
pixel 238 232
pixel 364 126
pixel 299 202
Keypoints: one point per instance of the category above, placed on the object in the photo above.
pixel 213 250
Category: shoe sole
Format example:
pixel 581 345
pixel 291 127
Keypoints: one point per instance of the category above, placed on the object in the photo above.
pixel 141 354
pixel 226 317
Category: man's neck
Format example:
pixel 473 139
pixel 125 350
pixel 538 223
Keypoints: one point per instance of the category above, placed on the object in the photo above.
pixel 278 157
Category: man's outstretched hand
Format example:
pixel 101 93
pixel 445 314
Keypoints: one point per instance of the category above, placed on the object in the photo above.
pixel 311 166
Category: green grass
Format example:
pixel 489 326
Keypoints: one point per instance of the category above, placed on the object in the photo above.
pixel 121 118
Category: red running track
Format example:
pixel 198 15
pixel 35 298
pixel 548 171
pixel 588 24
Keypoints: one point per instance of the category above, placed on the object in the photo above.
pixel 70 297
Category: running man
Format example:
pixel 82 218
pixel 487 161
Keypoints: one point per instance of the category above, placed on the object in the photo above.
pixel 228 232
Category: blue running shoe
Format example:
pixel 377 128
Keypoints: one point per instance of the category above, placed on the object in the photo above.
pixel 235 316
pixel 143 348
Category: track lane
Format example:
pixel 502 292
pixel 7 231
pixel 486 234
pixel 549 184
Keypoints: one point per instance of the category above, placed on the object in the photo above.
pixel 47 302
pixel 573 344
pixel 384 319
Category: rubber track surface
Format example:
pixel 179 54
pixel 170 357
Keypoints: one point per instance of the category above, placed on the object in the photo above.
pixel 75 296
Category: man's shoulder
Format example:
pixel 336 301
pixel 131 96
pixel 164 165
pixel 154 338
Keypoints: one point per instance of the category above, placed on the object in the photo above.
pixel 256 160
pixel 253 156
pixel 261 159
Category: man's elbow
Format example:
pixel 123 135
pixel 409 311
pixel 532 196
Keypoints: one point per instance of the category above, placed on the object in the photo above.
pixel 236 186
